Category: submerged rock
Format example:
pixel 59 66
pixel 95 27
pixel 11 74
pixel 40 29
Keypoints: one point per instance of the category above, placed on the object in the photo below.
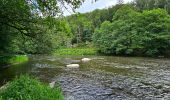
pixel 85 59
pixel 73 66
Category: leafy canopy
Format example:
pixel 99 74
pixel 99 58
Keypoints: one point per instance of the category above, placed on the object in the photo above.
pixel 135 33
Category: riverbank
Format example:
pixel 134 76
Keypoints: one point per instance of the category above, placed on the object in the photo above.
pixel 6 60
pixel 28 88
pixel 76 51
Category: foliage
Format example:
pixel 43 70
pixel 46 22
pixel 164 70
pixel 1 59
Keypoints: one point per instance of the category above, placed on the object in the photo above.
pixel 35 26
pixel 81 28
pixel 26 26
pixel 63 34
pixel 134 33
pixel 83 25
pixel 47 40
pixel 56 36
pixel 76 51
pixel 28 88
pixel 12 59
pixel 152 4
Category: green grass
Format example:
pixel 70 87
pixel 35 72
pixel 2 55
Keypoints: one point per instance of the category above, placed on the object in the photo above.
pixel 76 51
pixel 28 88
pixel 12 59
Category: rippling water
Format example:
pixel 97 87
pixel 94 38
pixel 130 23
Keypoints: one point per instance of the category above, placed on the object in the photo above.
pixel 103 78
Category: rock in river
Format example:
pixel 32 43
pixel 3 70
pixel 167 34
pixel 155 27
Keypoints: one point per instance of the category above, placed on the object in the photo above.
pixel 73 66
pixel 85 59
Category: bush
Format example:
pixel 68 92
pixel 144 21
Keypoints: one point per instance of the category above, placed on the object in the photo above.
pixel 27 88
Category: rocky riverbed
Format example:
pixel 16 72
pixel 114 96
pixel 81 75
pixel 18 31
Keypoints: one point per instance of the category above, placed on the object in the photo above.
pixel 102 78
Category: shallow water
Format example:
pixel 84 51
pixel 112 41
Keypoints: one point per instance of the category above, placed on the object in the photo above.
pixel 103 78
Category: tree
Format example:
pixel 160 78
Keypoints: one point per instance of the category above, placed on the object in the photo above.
pixel 151 4
pixel 134 33
pixel 26 19
pixel 82 28
pixel 83 25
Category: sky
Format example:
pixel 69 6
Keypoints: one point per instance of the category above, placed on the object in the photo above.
pixel 88 5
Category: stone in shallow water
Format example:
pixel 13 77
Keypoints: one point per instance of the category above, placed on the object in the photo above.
pixel 73 66
pixel 85 59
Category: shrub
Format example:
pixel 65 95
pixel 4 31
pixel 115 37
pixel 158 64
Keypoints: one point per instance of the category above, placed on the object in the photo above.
pixel 27 88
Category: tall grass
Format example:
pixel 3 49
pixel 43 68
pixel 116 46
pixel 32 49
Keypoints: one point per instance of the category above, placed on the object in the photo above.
pixel 76 51
pixel 11 59
pixel 28 88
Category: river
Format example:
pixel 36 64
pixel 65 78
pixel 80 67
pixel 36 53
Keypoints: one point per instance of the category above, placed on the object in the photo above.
pixel 102 78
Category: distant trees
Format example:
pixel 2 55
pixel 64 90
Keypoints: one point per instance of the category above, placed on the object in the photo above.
pixel 134 33
pixel 83 25
pixel 151 4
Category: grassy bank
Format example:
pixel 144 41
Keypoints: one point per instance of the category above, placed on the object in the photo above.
pixel 76 51
pixel 28 88
pixel 12 59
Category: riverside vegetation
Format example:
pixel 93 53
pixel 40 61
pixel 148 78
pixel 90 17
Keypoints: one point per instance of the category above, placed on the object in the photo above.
pixel 140 28
pixel 12 59
pixel 28 88
pixel 76 51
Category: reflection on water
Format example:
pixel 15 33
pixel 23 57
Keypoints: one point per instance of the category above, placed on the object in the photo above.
pixel 103 78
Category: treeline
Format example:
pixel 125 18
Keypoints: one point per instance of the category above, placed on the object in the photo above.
pixel 140 28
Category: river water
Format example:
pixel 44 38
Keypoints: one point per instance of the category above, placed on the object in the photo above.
pixel 103 78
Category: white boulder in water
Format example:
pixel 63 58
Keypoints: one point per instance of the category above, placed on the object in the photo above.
pixel 73 66
pixel 52 84
pixel 85 59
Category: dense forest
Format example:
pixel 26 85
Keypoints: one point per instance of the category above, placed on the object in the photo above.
pixel 139 28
